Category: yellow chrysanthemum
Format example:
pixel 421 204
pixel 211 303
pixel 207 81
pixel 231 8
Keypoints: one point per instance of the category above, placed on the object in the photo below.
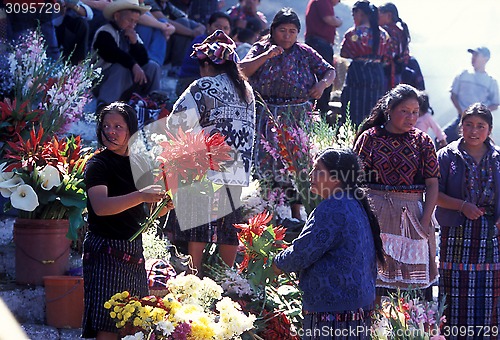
pixel 158 314
pixel 175 306
pixel 137 322
pixel 201 330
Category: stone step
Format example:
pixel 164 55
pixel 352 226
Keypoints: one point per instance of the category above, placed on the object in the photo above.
pixel 42 332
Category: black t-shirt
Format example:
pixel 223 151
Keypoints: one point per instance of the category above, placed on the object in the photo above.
pixel 112 170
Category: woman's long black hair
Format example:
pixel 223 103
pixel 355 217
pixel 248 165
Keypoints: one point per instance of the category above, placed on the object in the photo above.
pixel 234 73
pixel 384 105
pixel 478 110
pixel 346 166
pixel 389 7
pixel 126 111
pixel 371 11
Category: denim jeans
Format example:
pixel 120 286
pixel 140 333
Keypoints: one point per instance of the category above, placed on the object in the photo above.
pixel 154 41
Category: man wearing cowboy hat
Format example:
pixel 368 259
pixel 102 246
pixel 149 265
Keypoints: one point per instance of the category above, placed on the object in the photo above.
pixel 122 55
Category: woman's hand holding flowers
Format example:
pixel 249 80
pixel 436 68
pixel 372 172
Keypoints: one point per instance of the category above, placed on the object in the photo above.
pixel 153 194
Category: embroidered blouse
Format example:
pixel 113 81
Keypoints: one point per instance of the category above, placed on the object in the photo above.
pixel 397 159
pixel 396 41
pixel 287 78
pixel 212 104
pixel 454 180
pixel 358 42
pixel 479 179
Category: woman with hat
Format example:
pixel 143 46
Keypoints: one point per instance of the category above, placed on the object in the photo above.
pixel 288 75
pixel 126 67
pixel 220 101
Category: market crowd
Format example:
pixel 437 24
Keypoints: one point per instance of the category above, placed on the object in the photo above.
pixel 238 74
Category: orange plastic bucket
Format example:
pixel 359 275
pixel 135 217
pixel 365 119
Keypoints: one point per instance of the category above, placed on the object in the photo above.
pixel 42 249
pixel 64 301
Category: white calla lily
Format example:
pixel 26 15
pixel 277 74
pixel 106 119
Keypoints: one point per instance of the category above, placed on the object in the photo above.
pixel 7 187
pixel 24 198
pixel 50 177
pixel 4 175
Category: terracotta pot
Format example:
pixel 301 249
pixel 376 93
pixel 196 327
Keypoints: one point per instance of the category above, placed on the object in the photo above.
pixel 42 249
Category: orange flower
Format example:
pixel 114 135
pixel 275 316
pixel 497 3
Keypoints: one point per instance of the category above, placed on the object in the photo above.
pixel 190 155
pixel 262 242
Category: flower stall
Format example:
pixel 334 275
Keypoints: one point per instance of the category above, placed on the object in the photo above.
pixel 41 166
pixel 41 177
pixel 193 308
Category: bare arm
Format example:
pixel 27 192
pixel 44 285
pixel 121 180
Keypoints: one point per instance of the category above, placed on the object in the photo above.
pixel 251 64
pixel 332 21
pixel 147 19
pixel 317 90
pixel 470 210
pixel 180 28
pixel 104 205
pixel 431 197
pixel 97 4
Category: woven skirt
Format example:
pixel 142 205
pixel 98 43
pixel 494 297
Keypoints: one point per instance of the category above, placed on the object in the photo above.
pixel 364 85
pixel 208 219
pixel 109 267
pixel 470 276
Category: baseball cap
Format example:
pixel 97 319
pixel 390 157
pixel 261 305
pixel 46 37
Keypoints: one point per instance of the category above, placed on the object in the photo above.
pixel 484 51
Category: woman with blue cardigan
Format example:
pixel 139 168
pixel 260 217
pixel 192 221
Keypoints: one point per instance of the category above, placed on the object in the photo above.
pixel 335 255
pixel 469 215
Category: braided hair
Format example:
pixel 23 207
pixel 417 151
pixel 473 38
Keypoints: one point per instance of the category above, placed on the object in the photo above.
pixel 234 73
pixel 345 165
pixel 389 7
pixel 384 105
pixel 371 11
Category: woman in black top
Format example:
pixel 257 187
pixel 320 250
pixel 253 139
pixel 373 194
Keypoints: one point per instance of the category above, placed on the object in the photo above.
pixel 111 263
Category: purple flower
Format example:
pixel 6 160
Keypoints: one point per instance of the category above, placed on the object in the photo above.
pixel 181 331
